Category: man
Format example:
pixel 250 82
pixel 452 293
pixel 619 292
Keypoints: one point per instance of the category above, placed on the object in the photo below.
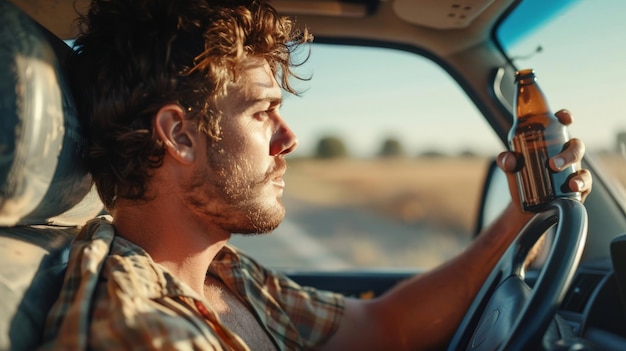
pixel 187 146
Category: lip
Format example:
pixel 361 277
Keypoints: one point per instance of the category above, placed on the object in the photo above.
pixel 278 181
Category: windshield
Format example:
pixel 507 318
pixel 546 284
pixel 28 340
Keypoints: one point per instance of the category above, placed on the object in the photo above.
pixel 578 57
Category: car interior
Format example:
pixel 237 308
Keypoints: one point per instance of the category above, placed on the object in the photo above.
pixel 46 192
pixel 45 184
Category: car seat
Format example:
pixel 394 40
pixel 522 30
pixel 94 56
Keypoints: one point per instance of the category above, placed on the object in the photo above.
pixel 46 192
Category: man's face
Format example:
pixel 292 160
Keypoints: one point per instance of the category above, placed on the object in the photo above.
pixel 240 184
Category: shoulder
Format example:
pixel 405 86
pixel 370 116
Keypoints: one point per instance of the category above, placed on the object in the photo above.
pixel 121 265
pixel 116 297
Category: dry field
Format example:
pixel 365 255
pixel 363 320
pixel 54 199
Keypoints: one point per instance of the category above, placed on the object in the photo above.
pixel 438 191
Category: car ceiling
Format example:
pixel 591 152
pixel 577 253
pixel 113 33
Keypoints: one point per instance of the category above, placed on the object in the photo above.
pixel 444 27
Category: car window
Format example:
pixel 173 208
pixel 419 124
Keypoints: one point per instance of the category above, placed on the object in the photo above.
pixel 389 169
pixel 585 74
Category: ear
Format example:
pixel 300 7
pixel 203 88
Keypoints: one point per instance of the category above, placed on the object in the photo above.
pixel 177 133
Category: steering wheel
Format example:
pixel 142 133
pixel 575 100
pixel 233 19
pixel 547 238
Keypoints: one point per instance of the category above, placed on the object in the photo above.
pixel 507 314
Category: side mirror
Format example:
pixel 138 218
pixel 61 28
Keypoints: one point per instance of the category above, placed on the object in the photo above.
pixel 495 196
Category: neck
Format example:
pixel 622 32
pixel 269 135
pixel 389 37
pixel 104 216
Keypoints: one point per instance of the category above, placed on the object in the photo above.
pixel 181 243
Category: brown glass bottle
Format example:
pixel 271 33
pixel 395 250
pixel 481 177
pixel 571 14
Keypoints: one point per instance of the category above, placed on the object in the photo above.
pixel 537 135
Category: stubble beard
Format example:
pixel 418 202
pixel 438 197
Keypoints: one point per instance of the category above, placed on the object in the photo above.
pixel 229 194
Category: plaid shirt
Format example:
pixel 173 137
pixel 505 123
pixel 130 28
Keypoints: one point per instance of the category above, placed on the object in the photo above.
pixel 116 297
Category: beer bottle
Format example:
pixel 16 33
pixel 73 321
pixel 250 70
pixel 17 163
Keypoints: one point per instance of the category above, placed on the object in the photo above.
pixel 537 135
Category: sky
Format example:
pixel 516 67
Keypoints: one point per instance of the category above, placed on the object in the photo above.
pixel 581 67
pixel 351 96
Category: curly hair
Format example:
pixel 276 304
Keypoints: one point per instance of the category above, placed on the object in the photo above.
pixel 132 57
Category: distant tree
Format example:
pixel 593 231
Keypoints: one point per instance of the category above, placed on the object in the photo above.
pixel 331 147
pixel 391 148
pixel 620 141
pixel 468 153
pixel 432 154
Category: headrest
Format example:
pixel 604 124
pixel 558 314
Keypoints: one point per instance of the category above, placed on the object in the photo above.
pixel 43 171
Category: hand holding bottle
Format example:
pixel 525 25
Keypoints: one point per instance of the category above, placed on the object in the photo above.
pixel 571 155
pixel 537 136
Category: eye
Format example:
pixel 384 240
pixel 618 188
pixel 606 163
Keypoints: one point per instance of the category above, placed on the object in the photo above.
pixel 263 115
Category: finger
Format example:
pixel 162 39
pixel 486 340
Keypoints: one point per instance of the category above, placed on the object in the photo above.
pixel 564 116
pixel 581 182
pixel 572 153
pixel 507 161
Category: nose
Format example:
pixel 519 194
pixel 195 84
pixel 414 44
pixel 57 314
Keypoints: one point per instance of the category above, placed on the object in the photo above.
pixel 283 140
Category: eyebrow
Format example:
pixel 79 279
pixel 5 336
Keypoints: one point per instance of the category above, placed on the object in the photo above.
pixel 271 99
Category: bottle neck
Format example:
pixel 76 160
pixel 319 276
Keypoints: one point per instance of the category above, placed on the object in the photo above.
pixel 530 100
pixel 526 81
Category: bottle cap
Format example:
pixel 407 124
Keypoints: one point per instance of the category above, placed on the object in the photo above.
pixel 524 74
